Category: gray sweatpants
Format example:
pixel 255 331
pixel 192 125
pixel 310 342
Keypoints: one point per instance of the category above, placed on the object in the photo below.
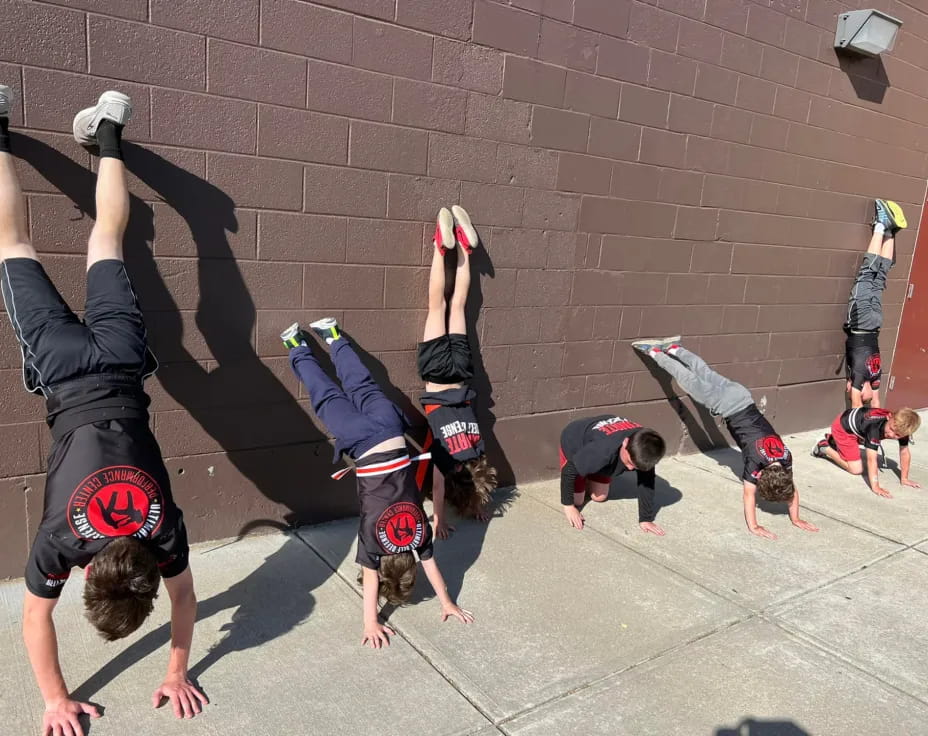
pixel 720 395
pixel 865 305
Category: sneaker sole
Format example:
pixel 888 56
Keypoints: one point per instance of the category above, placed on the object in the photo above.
pixel 111 105
pixel 291 332
pixel 466 228
pixel 444 230
pixel 6 99
pixel 895 212
pixel 324 324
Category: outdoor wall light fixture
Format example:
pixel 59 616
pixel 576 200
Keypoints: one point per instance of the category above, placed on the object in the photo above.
pixel 867 32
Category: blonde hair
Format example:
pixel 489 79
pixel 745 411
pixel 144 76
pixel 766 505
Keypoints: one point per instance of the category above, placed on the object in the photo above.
pixel 906 422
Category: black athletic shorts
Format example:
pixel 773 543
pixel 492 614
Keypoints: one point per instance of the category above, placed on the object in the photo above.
pixel 56 345
pixel 446 359
pixel 862 359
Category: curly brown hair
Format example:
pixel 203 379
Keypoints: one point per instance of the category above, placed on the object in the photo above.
pixel 397 577
pixel 775 484
pixel 121 587
pixel 468 488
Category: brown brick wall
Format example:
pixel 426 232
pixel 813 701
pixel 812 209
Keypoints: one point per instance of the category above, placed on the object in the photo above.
pixel 633 166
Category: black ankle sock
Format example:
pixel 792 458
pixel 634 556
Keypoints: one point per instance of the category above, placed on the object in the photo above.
pixel 5 135
pixel 109 138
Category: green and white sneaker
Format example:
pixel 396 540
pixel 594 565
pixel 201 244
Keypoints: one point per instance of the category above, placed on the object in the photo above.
pixel 293 336
pixel 327 329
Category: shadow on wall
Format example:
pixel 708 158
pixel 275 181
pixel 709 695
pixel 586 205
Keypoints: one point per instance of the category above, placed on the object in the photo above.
pixel 752 727
pixel 481 266
pixel 704 433
pixel 866 75
pixel 239 402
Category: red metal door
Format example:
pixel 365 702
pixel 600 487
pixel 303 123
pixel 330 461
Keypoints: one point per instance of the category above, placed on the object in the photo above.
pixel 908 382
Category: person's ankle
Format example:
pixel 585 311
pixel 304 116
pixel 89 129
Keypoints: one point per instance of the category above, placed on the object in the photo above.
pixel 5 135
pixel 109 139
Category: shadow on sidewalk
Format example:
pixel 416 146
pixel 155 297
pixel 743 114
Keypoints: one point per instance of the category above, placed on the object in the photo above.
pixel 752 727
pixel 283 578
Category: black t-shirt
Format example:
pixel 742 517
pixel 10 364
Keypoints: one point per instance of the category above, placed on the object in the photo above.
pixel 105 480
pixel 453 424
pixel 869 425
pixel 392 517
pixel 591 447
pixel 862 359
pixel 760 444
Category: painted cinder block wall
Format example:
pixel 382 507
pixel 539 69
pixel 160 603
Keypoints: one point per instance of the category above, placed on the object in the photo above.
pixel 634 167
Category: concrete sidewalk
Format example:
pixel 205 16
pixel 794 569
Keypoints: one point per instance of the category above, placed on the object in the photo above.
pixel 707 631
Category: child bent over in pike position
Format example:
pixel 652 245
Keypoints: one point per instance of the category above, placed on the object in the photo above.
pixel 461 474
pixel 597 449
pixel 865 307
pixel 768 464
pixel 394 534
pixel 108 503
pixel 869 427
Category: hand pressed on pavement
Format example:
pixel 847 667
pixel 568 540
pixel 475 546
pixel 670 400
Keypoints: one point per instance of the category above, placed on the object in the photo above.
pixel 61 719
pixel 574 517
pixel 185 698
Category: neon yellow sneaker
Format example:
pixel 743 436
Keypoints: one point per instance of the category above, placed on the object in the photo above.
pixel 890 215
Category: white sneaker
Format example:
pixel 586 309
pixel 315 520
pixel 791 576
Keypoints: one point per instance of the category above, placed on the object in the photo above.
pixel 6 100
pixel 112 105
pixel 444 231
pixel 464 230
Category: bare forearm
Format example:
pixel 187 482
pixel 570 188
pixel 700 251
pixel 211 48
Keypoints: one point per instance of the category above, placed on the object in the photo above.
pixel 183 618
pixel 794 507
pixel 750 511
pixel 438 496
pixel 41 643
pixel 370 582
pixel 857 399
pixel 905 462
pixel 437 581
pixel 873 469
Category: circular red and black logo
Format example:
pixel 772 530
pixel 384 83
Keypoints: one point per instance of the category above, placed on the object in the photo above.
pixel 772 448
pixel 401 528
pixel 874 364
pixel 118 501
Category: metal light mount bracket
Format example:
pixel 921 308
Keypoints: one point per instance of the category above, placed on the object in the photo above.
pixel 867 32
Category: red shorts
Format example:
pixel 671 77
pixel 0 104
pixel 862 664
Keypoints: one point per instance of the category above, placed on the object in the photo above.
pixel 848 444
pixel 580 481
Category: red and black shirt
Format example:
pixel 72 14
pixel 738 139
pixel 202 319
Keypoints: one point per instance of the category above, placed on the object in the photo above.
pixel 869 426
pixel 591 447
pixel 392 517
pixel 862 359
pixel 760 444
pixel 105 479
pixel 453 425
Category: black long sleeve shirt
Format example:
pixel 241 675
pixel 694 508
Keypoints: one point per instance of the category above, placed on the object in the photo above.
pixel 590 446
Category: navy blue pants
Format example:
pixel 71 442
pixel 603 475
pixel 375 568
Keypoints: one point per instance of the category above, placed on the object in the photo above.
pixel 357 413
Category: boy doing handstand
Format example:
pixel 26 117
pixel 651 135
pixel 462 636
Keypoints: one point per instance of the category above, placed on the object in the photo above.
pixel 865 307
pixel 768 464
pixel 394 534
pixel 461 475
pixel 108 502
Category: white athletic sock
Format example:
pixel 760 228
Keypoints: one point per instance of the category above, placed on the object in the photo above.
pixel 879 228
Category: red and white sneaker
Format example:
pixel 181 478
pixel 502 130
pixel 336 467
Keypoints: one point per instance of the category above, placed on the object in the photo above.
pixel 444 231
pixel 464 230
